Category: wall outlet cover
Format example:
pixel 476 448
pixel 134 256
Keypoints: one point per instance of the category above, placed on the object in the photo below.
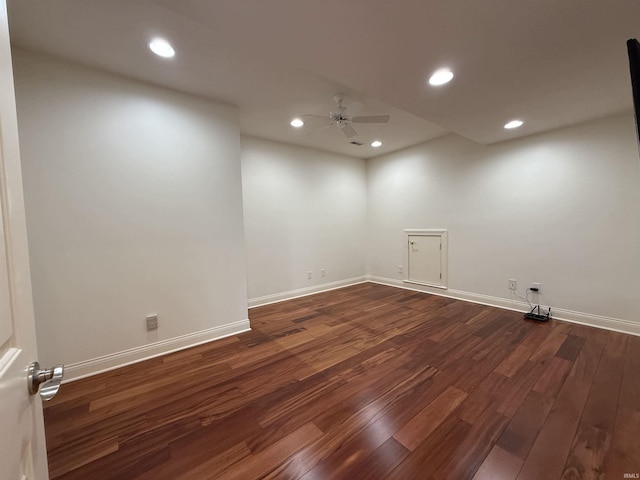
pixel 152 322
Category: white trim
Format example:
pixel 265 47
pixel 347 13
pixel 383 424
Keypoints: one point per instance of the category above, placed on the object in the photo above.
pixel 87 368
pixel 598 321
pixel 441 287
pixel 94 366
pixel 425 231
pixel 303 292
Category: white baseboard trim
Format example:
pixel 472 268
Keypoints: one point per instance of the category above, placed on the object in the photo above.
pixel 87 368
pixel 598 321
pixel 303 292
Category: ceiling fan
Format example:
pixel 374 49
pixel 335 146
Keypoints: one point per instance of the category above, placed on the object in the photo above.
pixel 343 121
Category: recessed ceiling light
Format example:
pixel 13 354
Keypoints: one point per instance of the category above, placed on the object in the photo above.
pixel 440 77
pixel 296 123
pixel 162 48
pixel 513 124
pixel 376 143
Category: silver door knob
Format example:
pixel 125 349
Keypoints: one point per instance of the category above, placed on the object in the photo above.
pixel 46 382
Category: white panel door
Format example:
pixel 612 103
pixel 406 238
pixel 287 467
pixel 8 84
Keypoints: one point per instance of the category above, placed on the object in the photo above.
pixel 425 265
pixel 22 446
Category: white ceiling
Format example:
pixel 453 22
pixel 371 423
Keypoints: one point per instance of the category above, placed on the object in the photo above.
pixel 548 62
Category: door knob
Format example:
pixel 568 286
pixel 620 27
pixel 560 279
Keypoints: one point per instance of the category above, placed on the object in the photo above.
pixel 46 382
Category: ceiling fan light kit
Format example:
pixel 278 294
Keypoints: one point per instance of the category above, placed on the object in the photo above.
pixel 340 119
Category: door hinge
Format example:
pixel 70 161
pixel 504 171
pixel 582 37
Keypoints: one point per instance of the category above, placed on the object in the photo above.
pixel 440 245
pixel 440 276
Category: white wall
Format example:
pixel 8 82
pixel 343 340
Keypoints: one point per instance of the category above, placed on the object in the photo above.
pixel 561 208
pixel 134 205
pixel 303 210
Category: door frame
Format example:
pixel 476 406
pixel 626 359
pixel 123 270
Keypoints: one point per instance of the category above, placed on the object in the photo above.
pixel 444 254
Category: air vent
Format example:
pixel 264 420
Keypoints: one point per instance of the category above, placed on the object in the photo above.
pixel 356 143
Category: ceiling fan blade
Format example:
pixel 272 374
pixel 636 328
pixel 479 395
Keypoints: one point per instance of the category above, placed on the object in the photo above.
pixel 349 131
pixel 317 119
pixel 324 117
pixel 321 129
pixel 371 119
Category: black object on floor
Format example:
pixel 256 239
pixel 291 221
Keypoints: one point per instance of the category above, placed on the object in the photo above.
pixel 536 314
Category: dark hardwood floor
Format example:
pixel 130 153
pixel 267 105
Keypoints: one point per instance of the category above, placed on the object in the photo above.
pixel 365 382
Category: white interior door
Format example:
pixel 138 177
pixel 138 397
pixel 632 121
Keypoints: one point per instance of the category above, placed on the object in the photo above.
pixel 22 445
pixel 425 265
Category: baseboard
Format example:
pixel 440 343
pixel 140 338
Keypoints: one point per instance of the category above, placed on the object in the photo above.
pixel 76 371
pixel 598 321
pixel 87 368
pixel 303 292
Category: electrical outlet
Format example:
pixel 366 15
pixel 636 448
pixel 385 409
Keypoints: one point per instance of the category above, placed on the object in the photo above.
pixel 152 322
pixel 309 275
pixel 323 272
pixel 513 285
pixel 538 286
pixel 400 269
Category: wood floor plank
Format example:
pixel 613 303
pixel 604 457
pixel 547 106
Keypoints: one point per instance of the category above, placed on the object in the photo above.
pixel 593 440
pixel 499 465
pixel 525 425
pixel 522 352
pixel 600 410
pixel 465 460
pixel 588 453
pixel 624 456
pixel 630 386
pixel 514 392
pixel 356 427
pixel 366 381
pixel 80 454
pixel 571 348
pixel 587 361
pixel 382 461
pixel 433 451
pixel 553 377
pixel 352 451
pixel 121 464
pixel 385 392
pixel 487 393
pixel 549 346
pixel 262 463
pixel 208 441
pixel 421 426
pixel 549 452
pixel 215 466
